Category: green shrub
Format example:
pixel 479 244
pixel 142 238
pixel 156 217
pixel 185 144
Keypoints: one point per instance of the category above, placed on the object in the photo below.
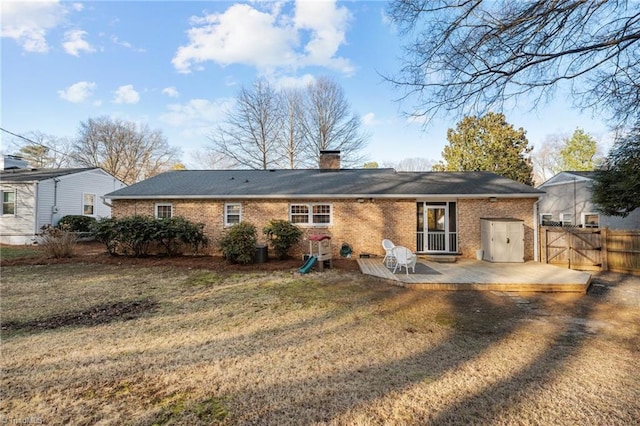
pixel 77 223
pixel 107 231
pixel 57 241
pixel 176 232
pixel 239 243
pixel 135 235
pixel 282 235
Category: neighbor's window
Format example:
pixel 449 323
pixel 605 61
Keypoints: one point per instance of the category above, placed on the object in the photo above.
pixel 566 219
pixel 164 211
pixel 88 204
pixel 310 214
pixel 591 220
pixel 546 218
pixel 232 214
pixel 9 202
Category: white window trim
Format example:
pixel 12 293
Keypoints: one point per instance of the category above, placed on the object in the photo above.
pixel 95 196
pixel 226 215
pixel 563 221
pixel 15 202
pixel 309 222
pixel 545 214
pixel 155 209
pixel 584 217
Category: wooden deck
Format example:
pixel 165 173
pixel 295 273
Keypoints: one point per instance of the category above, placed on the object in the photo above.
pixel 468 274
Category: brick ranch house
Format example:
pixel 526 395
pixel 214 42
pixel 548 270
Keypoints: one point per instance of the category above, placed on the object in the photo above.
pixel 429 212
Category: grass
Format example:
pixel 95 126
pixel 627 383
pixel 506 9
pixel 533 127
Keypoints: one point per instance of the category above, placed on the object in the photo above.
pixel 85 344
pixel 15 252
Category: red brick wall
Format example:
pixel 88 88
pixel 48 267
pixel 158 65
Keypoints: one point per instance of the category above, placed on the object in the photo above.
pixel 362 225
pixel 471 211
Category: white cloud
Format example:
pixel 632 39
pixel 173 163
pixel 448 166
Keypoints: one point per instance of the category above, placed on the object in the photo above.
pixel 126 95
pixel 197 116
pixel 74 43
pixel 171 92
pixel 369 119
pixel 78 7
pixel 268 39
pixel 294 82
pixel 126 44
pixel 27 22
pixel 78 92
pixel 328 25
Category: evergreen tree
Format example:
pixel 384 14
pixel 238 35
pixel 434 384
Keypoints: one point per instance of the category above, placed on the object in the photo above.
pixel 488 143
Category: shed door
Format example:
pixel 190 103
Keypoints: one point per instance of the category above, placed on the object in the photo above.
pixel 508 242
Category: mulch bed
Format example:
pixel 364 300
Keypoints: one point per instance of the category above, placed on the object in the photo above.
pixel 92 252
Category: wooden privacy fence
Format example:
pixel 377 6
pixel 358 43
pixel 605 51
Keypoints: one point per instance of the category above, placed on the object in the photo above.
pixel 591 249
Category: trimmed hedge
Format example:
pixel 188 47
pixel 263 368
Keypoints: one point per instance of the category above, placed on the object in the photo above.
pixel 77 223
pixel 282 235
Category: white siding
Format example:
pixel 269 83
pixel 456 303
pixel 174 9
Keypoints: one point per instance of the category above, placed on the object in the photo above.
pixel 575 198
pixel 19 228
pixel 69 195
pixel 65 193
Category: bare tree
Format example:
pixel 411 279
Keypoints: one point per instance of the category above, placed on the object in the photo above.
pixel 545 158
pixel 251 133
pixel 292 135
pixel 329 124
pixel 472 56
pixel 129 152
pixel 41 150
pixel 416 164
pixel 210 158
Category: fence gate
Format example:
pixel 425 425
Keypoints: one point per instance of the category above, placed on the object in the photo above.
pixel 576 248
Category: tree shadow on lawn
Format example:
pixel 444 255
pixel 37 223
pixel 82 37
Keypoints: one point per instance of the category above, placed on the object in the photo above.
pixel 338 394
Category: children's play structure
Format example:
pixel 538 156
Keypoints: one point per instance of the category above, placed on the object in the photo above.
pixel 319 252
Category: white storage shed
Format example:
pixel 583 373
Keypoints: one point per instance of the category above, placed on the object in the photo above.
pixel 502 239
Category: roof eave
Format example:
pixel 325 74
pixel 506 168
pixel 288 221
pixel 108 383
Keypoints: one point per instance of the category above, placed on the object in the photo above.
pixel 320 196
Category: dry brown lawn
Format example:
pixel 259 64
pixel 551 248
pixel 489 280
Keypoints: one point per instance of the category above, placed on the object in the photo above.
pixel 95 343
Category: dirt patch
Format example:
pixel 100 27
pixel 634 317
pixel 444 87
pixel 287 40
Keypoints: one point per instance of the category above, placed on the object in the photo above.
pixel 96 315
pixel 93 252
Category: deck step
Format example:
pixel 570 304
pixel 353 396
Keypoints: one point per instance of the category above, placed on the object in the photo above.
pixel 440 258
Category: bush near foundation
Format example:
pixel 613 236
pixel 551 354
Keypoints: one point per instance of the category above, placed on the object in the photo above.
pixel 239 243
pixel 136 235
pixel 282 235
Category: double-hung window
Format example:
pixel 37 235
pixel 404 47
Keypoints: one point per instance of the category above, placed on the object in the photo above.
pixel 9 202
pixel 88 204
pixel 164 211
pixel 591 220
pixel 232 214
pixel 310 214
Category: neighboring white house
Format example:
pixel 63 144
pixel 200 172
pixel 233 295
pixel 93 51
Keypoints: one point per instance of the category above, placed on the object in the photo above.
pixel 567 201
pixel 33 198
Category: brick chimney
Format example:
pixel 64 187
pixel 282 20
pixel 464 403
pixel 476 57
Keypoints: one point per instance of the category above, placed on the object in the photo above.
pixel 329 160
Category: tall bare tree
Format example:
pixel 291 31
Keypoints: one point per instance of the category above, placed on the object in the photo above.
pixel 472 56
pixel 544 158
pixel 46 151
pixel 292 135
pixel 252 131
pixel 129 152
pixel 329 124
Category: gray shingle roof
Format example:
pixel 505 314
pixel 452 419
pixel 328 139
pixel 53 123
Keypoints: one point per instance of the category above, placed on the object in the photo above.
pixel 345 183
pixel 36 175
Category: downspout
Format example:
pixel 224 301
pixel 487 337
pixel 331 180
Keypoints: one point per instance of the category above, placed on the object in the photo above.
pixel 536 231
pixel 35 207
pixel 54 208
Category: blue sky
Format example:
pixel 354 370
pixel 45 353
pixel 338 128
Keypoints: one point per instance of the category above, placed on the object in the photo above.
pixel 176 66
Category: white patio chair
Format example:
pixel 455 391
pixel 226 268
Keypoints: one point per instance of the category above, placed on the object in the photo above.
pixel 404 257
pixel 388 246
